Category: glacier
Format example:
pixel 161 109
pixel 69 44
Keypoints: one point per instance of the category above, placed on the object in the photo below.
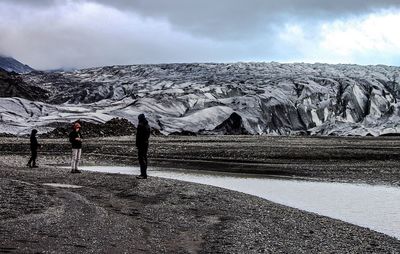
pixel 210 98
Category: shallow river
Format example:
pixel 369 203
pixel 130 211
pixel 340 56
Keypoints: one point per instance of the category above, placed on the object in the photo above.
pixel 374 206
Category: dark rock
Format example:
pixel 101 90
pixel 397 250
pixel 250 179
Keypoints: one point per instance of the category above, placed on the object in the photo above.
pixel 183 133
pixel 390 134
pixel 114 127
pixel 232 126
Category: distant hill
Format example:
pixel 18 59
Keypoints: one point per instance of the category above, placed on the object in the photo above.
pixel 10 64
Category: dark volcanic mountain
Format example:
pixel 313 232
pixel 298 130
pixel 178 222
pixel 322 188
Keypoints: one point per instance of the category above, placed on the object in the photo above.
pixel 11 65
pixel 12 85
pixel 240 98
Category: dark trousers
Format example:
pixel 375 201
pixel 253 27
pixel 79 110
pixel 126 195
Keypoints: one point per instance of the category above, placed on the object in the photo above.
pixel 32 160
pixel 142 156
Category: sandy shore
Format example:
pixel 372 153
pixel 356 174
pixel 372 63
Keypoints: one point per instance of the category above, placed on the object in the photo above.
pixel 111 213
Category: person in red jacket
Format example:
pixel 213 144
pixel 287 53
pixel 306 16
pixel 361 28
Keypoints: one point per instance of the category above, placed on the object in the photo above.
pixel 142 144
pixel 75 138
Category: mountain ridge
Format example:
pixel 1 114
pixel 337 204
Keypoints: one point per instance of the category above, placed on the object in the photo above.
pixel 10 64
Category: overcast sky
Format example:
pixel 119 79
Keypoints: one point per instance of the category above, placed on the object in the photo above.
pixel 49 34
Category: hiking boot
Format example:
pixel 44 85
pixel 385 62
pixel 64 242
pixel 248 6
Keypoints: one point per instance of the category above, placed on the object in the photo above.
pixel 34 166
pixel 76 171
pixel 141 177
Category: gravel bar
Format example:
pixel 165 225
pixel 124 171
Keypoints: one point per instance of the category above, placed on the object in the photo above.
pixel 113 213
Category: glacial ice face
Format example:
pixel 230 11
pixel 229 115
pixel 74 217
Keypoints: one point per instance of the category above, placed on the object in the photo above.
pixel 270 98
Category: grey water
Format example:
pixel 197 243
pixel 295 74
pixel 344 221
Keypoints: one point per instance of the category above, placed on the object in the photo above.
pixel 373 206
pixel 61 185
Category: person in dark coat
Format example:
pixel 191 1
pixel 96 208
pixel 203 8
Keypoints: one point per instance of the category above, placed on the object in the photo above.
pixel 75 138
pixel 34 147
pixel 142 144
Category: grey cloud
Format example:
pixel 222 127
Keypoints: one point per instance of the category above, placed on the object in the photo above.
pixel 97 37
pixel 237 8
pixel 38 3
pixel 196 31
pixel 235 19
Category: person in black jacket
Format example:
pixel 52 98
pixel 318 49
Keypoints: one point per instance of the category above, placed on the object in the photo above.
pixel 34 147
pixel 75 138
pixel 142 144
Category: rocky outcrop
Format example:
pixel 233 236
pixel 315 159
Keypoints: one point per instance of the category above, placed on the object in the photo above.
pixel 114 127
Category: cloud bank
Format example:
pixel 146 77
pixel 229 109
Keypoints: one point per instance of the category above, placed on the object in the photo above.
pixel 50 34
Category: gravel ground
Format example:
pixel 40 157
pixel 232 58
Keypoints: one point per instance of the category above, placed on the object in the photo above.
pixel 113 213
pixel 356 159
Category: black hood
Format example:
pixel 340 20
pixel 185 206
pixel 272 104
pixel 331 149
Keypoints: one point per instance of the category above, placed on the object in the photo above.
pixel 34 132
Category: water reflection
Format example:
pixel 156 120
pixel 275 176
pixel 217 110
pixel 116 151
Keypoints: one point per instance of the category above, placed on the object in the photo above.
pixel 375 207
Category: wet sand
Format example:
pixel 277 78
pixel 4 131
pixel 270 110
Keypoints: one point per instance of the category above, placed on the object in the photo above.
pixel 113 213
